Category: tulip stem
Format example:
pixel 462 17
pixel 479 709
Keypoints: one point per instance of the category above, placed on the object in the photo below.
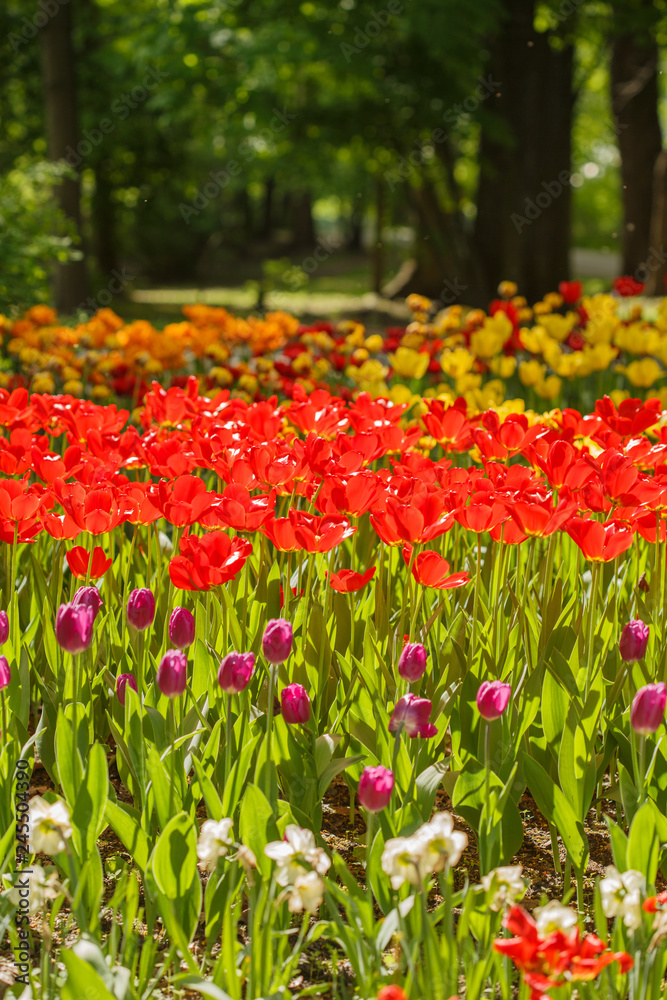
pixel 478 574
pixel 369 844
pixel 407 588
pixel 172 757
pixel 75 725
pixel 4 717
pixel 591 626
pixel 269 727
pixel 641 777
pixel 228 738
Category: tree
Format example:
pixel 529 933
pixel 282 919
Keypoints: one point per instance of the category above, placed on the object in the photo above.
pixel 70 282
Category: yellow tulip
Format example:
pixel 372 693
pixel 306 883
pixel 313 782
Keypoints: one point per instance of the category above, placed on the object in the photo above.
pixel 457 363
pixel 642 374
pixel 549 388
pixel 408 363
pixel 531 372
pixel 504 365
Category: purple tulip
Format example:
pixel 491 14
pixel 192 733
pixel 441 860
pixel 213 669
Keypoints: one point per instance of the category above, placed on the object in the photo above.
pixel 74 627
pixel 4 628
pixel 375 787
pixel 295 704
pixel 5 673
pixel 277 640
pixel 633 641
pixel 412 715
pixel 88 597
pixel 141 609
pixel 648 708
pixel 124 681
pixel 171 674
pixel 182 628
pixel 412 662
pixel 492 699
pixel 235 672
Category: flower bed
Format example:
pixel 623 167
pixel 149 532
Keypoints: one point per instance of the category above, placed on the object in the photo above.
pixel 219 616
pixel 567 349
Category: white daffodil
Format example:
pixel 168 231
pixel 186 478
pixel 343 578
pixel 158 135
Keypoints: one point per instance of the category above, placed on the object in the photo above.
pixel 214 842
pixel 554 917
pixel 621 896
pixel 306 893
pixel 246 858
pixel 505 886
pixel 49 826
pixel 296 854
pixel 35 886
pixel 401 859
pixel 441 843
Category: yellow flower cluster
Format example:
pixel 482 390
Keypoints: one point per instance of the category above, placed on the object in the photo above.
pixel 538 353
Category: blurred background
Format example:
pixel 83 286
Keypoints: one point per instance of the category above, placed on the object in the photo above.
pixel 327 157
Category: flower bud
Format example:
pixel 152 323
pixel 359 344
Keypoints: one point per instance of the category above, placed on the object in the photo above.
pixel 124 681
pixel 74 627
pixel 295 704
pixel 182 628
pixel 88 597
pixel 277 640
pixel 633 641
pixel 141 609
pixel 648 708
pixel 492 699
pixel 375 787
pixel 171 674
pixel 235 672
pixel 643 584
pixel 412 662
pixel 5 673
pixel 4 628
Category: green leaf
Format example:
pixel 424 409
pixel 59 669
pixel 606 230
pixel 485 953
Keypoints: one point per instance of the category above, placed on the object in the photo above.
pixel 198 985
pixel 82 979
pixel 174 860
pixel 257 826
pixel 643 843
pixel 124 821
pixel 88 814
pixel 619 844
pixel 555 807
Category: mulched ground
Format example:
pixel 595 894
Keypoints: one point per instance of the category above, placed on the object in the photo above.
pixel 344 831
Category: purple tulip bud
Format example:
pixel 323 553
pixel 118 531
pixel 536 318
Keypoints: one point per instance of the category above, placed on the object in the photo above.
pixel 492 699
pixel 171 674
pixel 277 640
pixel 235 672
pixel 5 673
pixel 648 708
pixel 141 609
pixel 295 704
pixel 633 641
pixel 74 627
pixel 182 628
pixel 411 714
pixel 4 628
pixel 375 787
pixel 412 662
pixel 124 681
pixel 88 597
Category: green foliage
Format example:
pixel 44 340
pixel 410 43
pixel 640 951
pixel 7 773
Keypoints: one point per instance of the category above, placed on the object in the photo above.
pixel 34 233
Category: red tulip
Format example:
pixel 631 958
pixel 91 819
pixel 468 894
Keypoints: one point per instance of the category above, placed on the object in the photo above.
pixel 78 559
pixel 346 581
pixel 375 787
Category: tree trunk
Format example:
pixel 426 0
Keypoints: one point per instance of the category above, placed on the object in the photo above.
pixel 266 228
pixel 103 212
pixel 303 228
pixel 522 230
pixel 634 102
pixel 378 250
pixel 70 283
pixel 654 271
